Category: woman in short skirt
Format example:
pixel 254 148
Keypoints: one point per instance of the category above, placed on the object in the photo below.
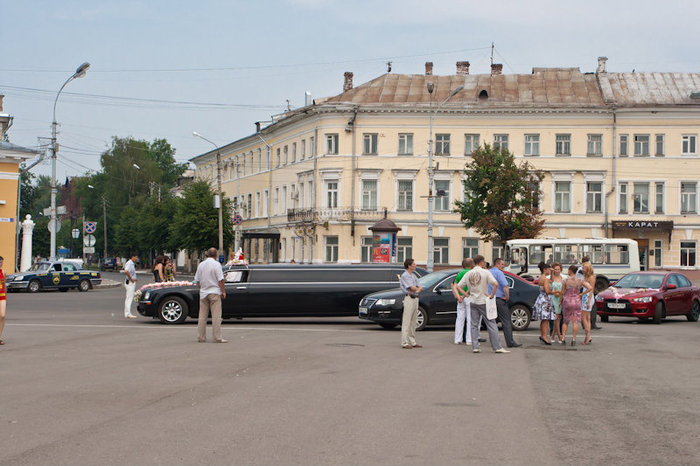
pixel 543 310
pixel 572 302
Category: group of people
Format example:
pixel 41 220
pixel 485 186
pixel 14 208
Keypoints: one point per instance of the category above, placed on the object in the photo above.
pixel 473 287
pixel 163 269
pixel 565 301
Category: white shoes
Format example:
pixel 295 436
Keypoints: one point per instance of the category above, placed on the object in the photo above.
pixel 476 350
pixel 131 316
pixel 502 350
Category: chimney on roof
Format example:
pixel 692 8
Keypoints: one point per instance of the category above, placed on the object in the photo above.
pixel 347 85
pixel 601 65
pixel 428 68
pixel 496 68
pixel 462 67
pixel 257 126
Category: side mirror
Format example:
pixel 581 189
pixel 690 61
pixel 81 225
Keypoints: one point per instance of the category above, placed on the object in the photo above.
pixel 438 291
pixel 671 286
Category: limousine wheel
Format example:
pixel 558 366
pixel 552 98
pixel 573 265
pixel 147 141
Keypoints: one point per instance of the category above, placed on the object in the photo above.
pixel 172 310
pixel 520 316
pixel 421 319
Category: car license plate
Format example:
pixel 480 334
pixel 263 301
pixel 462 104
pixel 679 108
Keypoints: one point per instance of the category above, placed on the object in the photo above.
pixel 363 311
pixel 617 305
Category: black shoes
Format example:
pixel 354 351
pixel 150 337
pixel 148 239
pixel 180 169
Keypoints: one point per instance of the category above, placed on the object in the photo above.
pixel 548 343
pixel 515 345
pixel 596 327
pixel 482 340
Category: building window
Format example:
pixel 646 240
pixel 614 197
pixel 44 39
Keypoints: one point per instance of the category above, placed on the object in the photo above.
pixel 623 145
pixel 442 144
pixel 260 167
pixel 441 251
pixel 405 143
pixel 660 145
pixel 532 144
pixel 404 249
pixel 500 141
pixel 405 195
pixel 442 195
pixel 369 194
pixel 268 158
pixel 659 198
pixel 276 200
pixel 266 200
pixel 331 249
pixel 594 197
pixel 641 145
pixel 332 144
pixel 563 144
pixel 286 155
pixel 312 146
pixel 470 247
pixel 369 145
pixel 471 143
pixel 689 197
pixel 284 200
pixel 623 198
pixel 640 198
pixel 657 253
pixel 595 144
pixel 294 194
pixel 688 253
pixel 249 205
pixel 366 249
pixel 258 207
pixel 302 155
pixel 279 158
pixel 332 194
pixel 294 152
pixel 562 196
pixel 689 144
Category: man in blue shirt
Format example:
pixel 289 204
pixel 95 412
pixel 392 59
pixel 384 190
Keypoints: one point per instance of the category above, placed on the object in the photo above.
pixel 502 295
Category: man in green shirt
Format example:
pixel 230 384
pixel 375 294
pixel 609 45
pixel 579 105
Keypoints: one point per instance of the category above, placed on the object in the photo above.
pixel 463 311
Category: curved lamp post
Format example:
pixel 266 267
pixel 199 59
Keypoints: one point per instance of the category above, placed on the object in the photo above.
pixel 431 174
pixel 218 188
pixel 79 73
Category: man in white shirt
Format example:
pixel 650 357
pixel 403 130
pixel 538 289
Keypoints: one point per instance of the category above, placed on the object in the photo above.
pixel 478 279
pixel 130 284
pixel 210 280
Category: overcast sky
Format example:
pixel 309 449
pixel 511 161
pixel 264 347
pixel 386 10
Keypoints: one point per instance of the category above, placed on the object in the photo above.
pixel 162 69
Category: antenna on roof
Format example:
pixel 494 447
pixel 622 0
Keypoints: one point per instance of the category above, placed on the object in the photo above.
pixel 289 107
pixel 388 67
pixel 491 53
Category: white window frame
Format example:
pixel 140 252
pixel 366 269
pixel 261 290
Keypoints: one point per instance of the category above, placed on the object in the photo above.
pixel 332 141
pixel 634 198
pixel 658 253
pixel 442 144
pixel 688 199
pixel 624 145
pixel 442 204
pixel 562 145
pixel 399 197
pixel 471 143
pixel 404 248
pixel 623 190
pixel 594 147
pixel 592 195
pixel 266 200
pixel 332 194
pixel 641 146
pixel 302 154
pixel 685 250
pixel 500 141
pixel 366 195
pixel 659 207
pixel 659 145
pixel 470 247
pixel 689 144
pixel 532 145
pixel 332 244
pixel 405 140
pixel 370 143
pixel 441 253
pixel 366 249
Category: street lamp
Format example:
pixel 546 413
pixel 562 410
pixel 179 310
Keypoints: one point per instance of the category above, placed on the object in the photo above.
pixel 53 223
pixel 218 186
pixel 431 174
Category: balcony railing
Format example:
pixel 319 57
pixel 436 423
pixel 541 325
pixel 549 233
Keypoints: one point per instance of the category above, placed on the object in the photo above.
pixel 332 213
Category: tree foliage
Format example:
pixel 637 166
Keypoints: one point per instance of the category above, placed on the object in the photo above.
pixel 501 198
pixel 195 226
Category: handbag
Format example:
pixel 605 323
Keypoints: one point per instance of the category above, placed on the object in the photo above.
pixel 491 309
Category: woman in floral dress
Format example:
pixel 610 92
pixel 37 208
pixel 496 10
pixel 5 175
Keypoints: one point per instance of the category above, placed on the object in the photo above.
pixel 557 293
pixel 572 302
pixel 587 300
pixel 543 310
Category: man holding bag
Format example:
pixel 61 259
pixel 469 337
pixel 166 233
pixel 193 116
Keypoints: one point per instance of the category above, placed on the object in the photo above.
pixel 478 279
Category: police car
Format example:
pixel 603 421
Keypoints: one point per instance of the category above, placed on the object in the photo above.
pixel 57 275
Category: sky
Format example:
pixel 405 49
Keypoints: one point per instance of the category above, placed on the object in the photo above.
pixel 163 69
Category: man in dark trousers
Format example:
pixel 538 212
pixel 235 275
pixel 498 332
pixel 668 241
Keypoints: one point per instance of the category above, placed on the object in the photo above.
pixel 502 295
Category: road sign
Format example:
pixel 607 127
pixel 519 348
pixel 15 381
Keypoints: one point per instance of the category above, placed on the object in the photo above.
pixel 90 227
pixel 88 250
pixel 60 210
pixel 75 233
pixel 237 219
pixel 58 225
pixel 89 240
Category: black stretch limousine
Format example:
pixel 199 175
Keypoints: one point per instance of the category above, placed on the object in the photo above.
pixel 278 290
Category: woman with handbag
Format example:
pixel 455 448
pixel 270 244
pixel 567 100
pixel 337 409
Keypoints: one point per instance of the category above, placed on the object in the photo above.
pixel 543 310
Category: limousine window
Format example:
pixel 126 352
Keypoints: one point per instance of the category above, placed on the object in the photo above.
pixel 235 276
pixel 310 274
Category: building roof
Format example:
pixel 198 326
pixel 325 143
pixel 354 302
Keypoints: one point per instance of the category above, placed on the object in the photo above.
pixel 544 87
pixel 649 89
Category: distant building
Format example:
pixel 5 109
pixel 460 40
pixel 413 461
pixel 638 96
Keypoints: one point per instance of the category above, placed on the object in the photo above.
pixel 619 152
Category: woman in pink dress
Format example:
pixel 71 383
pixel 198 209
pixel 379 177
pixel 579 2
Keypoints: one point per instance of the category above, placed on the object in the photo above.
pixel 572 302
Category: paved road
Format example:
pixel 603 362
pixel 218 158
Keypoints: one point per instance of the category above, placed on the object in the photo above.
pixel 80 385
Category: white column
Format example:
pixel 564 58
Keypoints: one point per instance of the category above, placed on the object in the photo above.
pixel 26 258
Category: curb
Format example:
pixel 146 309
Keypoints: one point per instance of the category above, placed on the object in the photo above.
pixel 106 283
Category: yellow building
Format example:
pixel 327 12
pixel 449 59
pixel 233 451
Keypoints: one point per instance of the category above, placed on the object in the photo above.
pixel 10 158
pixel 619 152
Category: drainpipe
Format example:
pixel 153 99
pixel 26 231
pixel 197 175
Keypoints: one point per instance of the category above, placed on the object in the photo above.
pixel 351 125
pixel 315 155
pixel 614 180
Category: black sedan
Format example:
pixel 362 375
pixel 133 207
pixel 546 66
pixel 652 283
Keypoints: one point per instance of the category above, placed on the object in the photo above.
pixel 439 307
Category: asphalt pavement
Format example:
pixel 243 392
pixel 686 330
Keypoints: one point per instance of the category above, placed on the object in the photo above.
pixel 81 385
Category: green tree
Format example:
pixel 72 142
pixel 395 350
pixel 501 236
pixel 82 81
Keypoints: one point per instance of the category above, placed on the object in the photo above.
pixel 501 197
pixel 195 226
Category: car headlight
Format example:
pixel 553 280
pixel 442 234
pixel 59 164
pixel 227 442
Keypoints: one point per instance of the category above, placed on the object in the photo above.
pixel 643 299
pixel 147 296
pixel 385 302
pixel 19 278
pixel 599 299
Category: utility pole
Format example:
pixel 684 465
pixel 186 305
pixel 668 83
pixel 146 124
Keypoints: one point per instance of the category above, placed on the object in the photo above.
pixel 104 222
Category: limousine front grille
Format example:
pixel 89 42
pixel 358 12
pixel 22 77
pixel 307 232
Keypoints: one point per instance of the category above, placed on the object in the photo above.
pixel 367 302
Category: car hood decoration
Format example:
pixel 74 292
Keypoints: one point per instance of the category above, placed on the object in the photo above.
pixel 158 286
pixel 617 293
